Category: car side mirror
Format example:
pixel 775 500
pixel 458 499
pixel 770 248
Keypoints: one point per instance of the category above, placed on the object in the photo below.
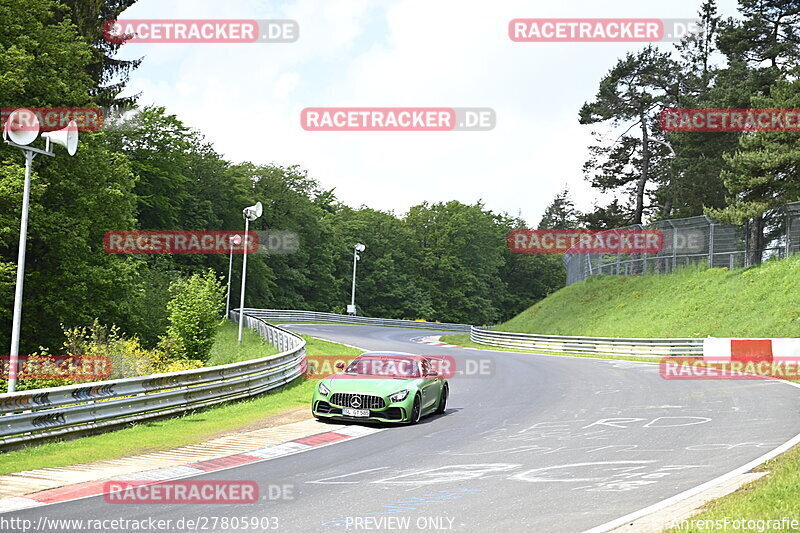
pixel 339 365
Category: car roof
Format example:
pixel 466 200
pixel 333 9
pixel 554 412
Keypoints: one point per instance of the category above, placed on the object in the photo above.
pixel 402 355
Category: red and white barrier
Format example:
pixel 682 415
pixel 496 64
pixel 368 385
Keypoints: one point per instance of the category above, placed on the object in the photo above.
pixel 726 350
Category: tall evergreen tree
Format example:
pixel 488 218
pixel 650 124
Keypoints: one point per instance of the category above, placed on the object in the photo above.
pixel 109 73
pixel 693 180
pixel 632 94
pixel 561 213
pixel 763 54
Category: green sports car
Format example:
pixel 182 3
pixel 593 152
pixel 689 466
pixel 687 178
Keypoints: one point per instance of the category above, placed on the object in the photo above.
pixel 382 387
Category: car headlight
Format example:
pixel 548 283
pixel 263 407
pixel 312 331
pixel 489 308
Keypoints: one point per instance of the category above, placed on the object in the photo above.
pixel 399 396
pixel 323 389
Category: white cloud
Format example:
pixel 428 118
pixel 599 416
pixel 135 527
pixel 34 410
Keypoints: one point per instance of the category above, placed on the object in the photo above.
pixel 412 53
pixel 285 84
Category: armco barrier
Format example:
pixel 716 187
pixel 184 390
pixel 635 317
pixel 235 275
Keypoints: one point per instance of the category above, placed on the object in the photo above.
pixel 545 343
pixel 279 315
pixel 33 415
pixel 589 345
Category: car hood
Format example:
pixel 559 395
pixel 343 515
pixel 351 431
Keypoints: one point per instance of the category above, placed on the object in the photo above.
pixel 378 387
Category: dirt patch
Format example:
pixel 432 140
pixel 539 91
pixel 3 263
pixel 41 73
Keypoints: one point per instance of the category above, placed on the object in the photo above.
pixel 288 416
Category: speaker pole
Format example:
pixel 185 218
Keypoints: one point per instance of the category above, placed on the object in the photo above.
pixel 23 239
pixel 250 214
pixel 20 130
pixel 244 277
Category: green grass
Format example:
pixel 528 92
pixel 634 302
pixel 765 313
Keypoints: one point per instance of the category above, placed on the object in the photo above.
pixel 226 348
pixel 166 434
pixel 772 497
pixel 761 301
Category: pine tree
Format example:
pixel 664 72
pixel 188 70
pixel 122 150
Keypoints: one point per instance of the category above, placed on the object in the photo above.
pixel 693 175
pixel 561 213
pixel 763 52
pixel 110 74
pixel 632 94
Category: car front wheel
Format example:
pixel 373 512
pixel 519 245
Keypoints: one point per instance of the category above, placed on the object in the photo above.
pixel 442 401
pixel 416 411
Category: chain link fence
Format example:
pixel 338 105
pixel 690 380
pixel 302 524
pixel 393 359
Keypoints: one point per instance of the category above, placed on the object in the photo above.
pixel 696 240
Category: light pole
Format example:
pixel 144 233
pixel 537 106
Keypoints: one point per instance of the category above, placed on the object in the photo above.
pixel 351 309
pixel 250 213
pixel 235 240
pixel 21 129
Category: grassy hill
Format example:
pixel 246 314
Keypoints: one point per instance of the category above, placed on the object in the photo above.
pixel 762 301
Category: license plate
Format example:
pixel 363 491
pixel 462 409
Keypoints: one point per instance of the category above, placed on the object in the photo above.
pixel 355 412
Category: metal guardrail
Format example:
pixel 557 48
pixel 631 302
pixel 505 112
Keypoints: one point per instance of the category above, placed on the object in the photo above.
pixel 589 345
pixel 29 416
pixel 280 315
pixel 545 343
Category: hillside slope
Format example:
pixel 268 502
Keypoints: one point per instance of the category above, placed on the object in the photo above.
pixel 762 301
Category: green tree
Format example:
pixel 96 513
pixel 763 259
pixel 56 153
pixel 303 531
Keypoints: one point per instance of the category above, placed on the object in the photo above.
pixel 561 213
pixel 387 282
pixel 762 50
pixel 764 172
pixel 461 251
pixel 195 313
pixel 304 279
pixel 43 59
pixel 529 278
pixel 74 200
pixel 768 32
pixel 108 72
pixel 614 215
pixel 157 145
pixel 692 176
pixel 633 94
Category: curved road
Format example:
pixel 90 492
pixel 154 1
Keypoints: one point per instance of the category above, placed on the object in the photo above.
pixel 532 443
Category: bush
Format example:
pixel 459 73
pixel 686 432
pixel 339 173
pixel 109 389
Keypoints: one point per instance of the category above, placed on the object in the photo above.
pixel 195 313
pixel 128 357
pixel 144 314
pixel 181 364
pixel 24 382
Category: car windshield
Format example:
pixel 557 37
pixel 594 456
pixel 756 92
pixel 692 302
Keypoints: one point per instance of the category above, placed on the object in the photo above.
pixel 385 367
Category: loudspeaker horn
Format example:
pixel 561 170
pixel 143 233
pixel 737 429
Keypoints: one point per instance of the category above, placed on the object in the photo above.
pixel 66 137
pixel 254 211
pixel 22 127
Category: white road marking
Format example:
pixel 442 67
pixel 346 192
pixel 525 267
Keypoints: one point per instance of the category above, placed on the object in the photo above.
pixel 448 474
pixel 327 480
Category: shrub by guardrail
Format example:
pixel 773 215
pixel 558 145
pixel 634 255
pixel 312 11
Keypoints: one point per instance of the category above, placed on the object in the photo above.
pixel 35 415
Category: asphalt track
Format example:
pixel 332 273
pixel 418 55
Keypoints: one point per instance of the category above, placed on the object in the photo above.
pixel 537 443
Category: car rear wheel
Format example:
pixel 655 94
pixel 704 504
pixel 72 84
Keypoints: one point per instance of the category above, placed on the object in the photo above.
pixel 442 401
pixel 416 411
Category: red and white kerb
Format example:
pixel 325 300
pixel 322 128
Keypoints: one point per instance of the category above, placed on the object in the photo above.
pixel 756 350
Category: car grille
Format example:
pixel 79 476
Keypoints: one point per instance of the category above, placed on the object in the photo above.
pixel 367 402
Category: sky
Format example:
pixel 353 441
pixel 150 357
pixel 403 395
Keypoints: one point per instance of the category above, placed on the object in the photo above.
pixel 247 98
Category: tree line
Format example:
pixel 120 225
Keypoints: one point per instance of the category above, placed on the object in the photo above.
pixel 750 61
pixel 147 170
